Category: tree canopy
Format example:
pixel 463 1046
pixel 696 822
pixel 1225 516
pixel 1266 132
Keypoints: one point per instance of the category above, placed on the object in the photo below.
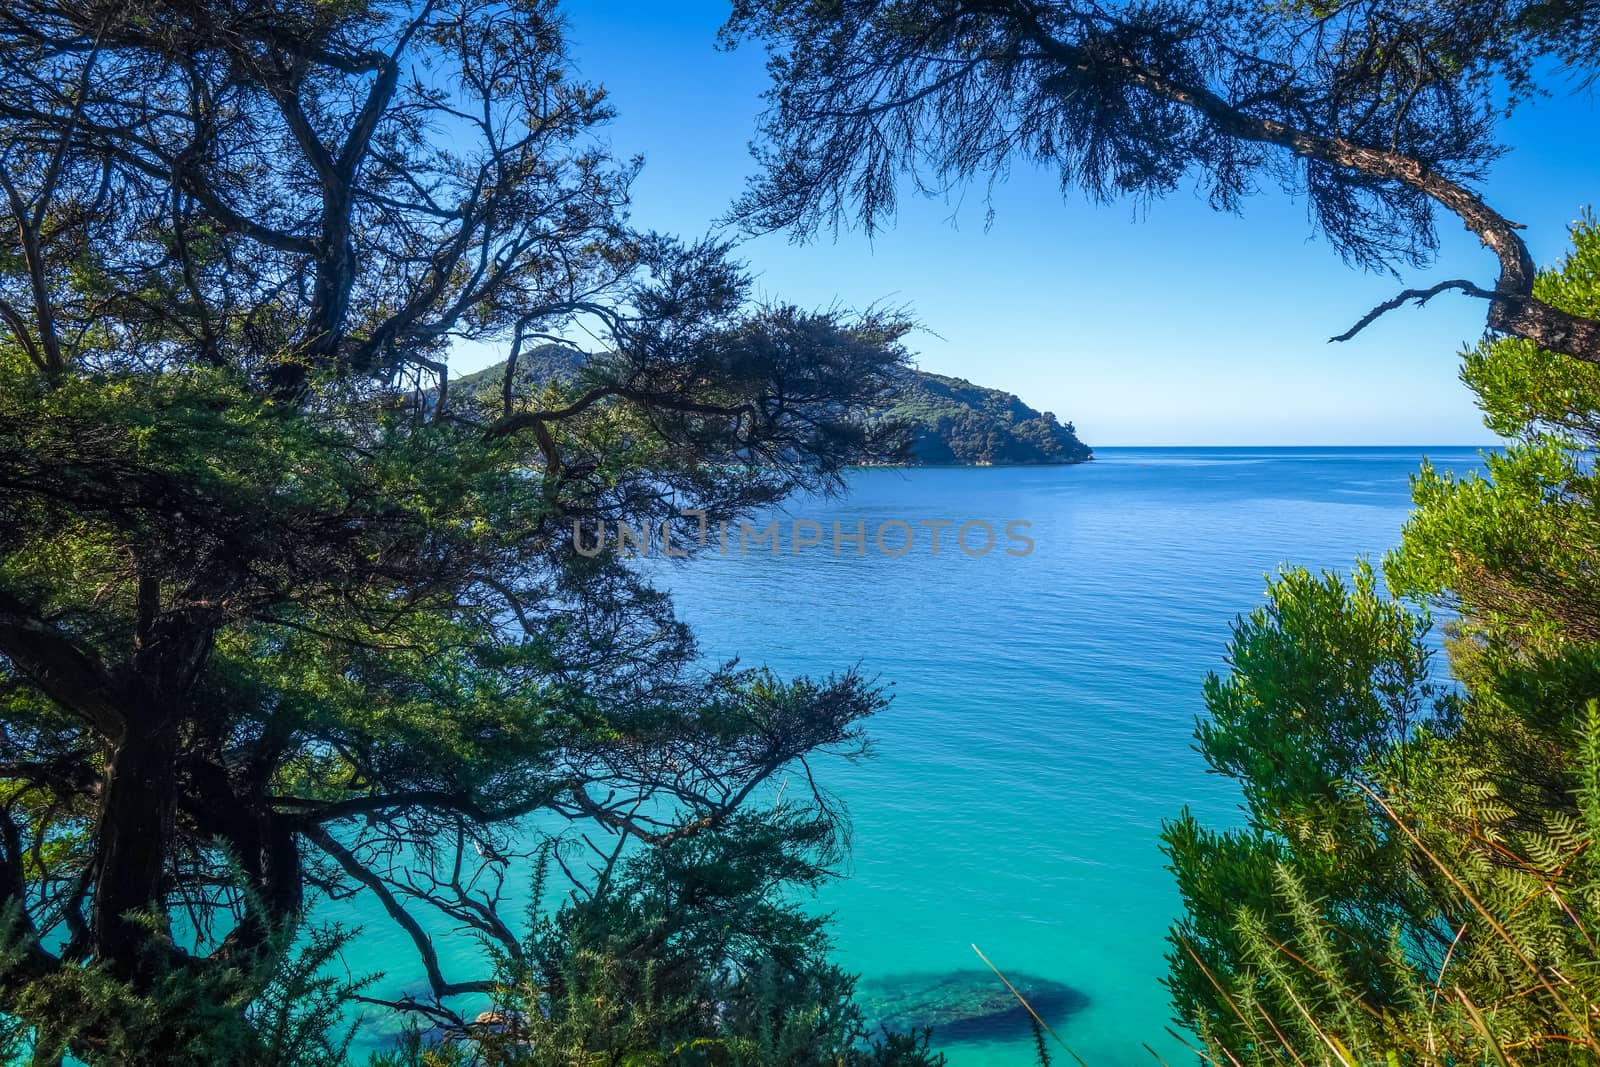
pixel 279 619
pixel 1380 114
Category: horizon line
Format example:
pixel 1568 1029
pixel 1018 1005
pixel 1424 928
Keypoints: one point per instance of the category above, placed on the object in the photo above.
pixel 1430 444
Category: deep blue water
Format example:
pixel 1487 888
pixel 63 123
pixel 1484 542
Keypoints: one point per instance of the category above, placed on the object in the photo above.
pixel 1041 726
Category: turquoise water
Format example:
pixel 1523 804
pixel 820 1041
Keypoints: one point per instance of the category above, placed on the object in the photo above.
pixel 1040 730
pixel 1043 704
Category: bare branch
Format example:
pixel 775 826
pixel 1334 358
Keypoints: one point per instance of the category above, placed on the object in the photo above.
pixel 1421 296
pixel 352 866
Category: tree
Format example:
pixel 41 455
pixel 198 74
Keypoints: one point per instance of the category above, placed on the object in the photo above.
pixel 1417 882
pixel 1325 683
pixel 1379 113
pixel 647 972
pixel 277 618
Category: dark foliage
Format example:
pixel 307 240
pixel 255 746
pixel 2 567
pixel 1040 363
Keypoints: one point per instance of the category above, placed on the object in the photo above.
pixel 273 627
pixel 1379 114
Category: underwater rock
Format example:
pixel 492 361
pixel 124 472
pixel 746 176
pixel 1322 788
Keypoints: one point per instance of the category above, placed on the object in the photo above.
pixel 968 1005
pixel 499 1022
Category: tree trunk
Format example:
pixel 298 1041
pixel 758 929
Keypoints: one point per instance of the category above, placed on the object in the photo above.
pixel 135 826
pixel 234 808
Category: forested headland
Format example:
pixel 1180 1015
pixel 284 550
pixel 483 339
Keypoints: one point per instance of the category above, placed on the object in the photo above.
pixel 945 420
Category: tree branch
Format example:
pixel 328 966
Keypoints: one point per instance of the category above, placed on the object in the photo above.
pixel 367 877
pixel 1513 308
pixel 1421 296
pixel 67 674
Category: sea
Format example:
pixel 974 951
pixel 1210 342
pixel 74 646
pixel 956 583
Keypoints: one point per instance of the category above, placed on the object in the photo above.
pixel 1046 666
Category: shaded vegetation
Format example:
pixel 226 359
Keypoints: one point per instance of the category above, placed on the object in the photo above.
pixel 272 631
pixel 687 958
pixel 954 421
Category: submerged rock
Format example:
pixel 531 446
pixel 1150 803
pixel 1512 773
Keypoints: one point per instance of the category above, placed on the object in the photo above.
pixel 968 1005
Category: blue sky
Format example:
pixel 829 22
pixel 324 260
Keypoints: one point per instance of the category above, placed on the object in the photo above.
pixel 1175 325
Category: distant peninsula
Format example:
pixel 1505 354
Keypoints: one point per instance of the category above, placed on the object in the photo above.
pixel 957 423
pixel 953 422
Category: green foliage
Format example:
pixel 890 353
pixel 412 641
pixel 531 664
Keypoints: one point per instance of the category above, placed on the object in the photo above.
pixel 280 619
pixel 1517 552
pixel 1324 680
pixel 1328 681
pixel 688 954
pixel 954 421
pixel 1417 882
pixel 285 1007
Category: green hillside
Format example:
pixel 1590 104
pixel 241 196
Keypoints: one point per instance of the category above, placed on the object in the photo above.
pixel 953 421
pixel 956 422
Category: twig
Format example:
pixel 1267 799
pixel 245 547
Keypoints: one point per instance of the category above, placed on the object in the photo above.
pixel 1024 1002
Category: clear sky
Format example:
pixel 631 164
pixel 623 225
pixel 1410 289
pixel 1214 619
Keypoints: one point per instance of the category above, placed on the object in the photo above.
pixel 1175 325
